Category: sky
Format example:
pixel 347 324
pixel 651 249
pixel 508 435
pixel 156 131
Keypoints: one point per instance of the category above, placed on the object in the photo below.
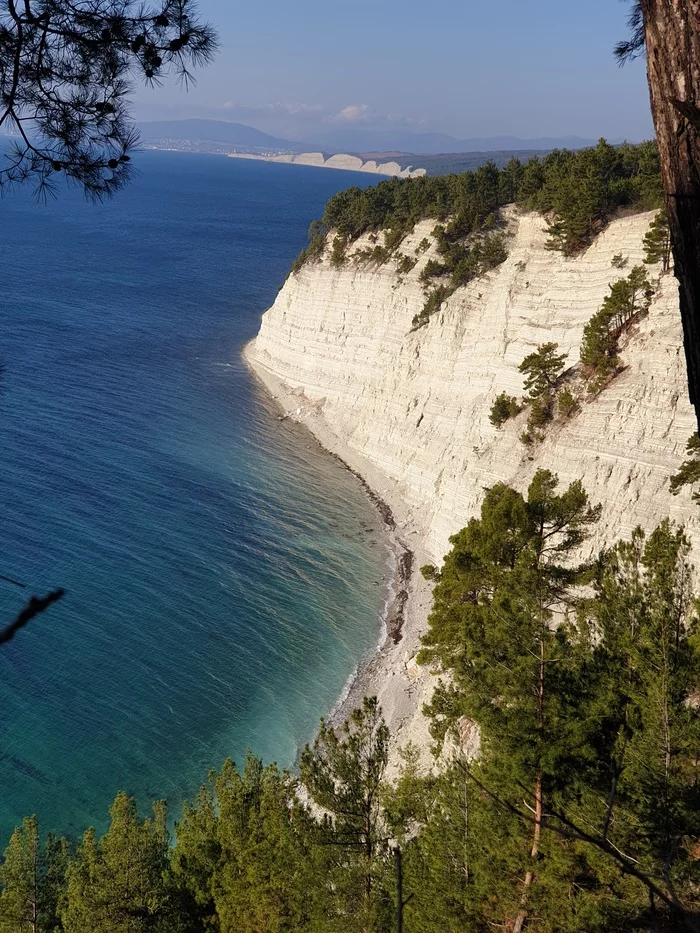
pixel 469 68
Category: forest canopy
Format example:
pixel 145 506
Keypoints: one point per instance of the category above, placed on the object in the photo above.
pixel 577 808
pixel 580 190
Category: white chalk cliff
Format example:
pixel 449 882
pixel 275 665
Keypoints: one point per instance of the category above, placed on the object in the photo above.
pixel 416 404
pixel 347 163
pixel 410 409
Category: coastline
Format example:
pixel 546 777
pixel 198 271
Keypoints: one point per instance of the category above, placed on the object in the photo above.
pixel 390 673
pixel 340 160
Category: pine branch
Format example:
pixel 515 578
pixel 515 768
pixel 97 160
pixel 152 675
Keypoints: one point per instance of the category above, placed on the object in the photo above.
pixel 569 830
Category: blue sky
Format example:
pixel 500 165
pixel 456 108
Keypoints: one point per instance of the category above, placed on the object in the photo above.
pixel 464 67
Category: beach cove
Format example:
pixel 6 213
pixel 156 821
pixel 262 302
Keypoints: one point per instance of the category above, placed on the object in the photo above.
pixel 224 576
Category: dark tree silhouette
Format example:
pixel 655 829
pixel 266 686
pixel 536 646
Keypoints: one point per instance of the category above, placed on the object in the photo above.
pixel 670 34
pixel 35 606
pixel 66 67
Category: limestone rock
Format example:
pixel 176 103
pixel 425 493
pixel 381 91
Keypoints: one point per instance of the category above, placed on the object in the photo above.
pixel 416 404
pixel 409 410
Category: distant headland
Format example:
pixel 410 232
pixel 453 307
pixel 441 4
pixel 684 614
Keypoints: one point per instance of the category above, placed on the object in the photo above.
pixel 343 161
pixel 402 156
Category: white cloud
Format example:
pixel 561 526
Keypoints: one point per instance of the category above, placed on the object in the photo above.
pixel 353 113
pixel 361 114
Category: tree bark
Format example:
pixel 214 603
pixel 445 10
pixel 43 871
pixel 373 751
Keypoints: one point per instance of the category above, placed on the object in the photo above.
pixel 672 32
pixel 537 833
pixel 534 852
pixel 399 889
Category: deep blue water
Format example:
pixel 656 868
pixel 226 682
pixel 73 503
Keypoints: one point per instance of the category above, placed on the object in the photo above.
pixel 223 575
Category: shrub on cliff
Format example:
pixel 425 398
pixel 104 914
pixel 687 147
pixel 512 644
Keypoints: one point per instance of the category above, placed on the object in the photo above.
pixel 628 299
pixel 689 472
pixel 405 264
pixel 314 250
pixel 493 251
pixel 504 407
pixel 598 351
pixel 430 270
pixel 540 414
pixel 566 403
pixel 542 368
pixel 338 251
pixel 433 303
pixel 464 260
pixel 657 242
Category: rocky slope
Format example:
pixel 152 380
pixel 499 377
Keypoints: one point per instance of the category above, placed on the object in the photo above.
pixel 409 409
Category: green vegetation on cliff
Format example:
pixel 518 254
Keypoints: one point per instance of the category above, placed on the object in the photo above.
pixel 578 192
pixel 581 190
pixel 464 256
pixel 504 407
pixel 628 299
pixel 657 242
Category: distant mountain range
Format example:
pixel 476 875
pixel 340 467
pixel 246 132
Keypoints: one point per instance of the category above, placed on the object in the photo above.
pixel 434 143
pixel 334 139
pixel 216 131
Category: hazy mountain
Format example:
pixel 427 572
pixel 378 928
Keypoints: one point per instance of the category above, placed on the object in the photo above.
pixel 347 139
pixel 216 131
pixel 359 139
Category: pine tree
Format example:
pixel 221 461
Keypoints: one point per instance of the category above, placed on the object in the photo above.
pixel 599 345
pixel 657 242
pixel 117 884
pixel 343 772
pixel 263 881
pixel 689 472
pixel 628 298
pixel 648 801
pixel 64 72
pixel 542 368
pixel 504 407
pixel 194 861
pixel 566 403
pixel 513 672
pixel 31 880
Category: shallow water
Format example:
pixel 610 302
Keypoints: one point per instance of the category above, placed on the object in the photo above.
pixel 223 575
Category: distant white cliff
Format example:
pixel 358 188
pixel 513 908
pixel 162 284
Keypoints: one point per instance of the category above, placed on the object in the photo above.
pixel 348 163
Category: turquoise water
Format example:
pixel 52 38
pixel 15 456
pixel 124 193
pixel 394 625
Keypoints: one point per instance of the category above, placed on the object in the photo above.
pixel 223 575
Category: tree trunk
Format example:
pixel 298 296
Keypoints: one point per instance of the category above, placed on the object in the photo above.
pixel 537 834
pixel 368 865
pixel 672 32
pixel 399 889
pixel 534 852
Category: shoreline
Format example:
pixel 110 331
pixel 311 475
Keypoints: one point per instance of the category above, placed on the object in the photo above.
pixel 342 161
pixel 390 671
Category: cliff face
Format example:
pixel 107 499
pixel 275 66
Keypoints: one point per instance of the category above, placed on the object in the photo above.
pixel 415 405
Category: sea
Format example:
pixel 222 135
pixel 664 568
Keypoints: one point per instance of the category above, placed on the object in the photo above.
pixel 223 575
